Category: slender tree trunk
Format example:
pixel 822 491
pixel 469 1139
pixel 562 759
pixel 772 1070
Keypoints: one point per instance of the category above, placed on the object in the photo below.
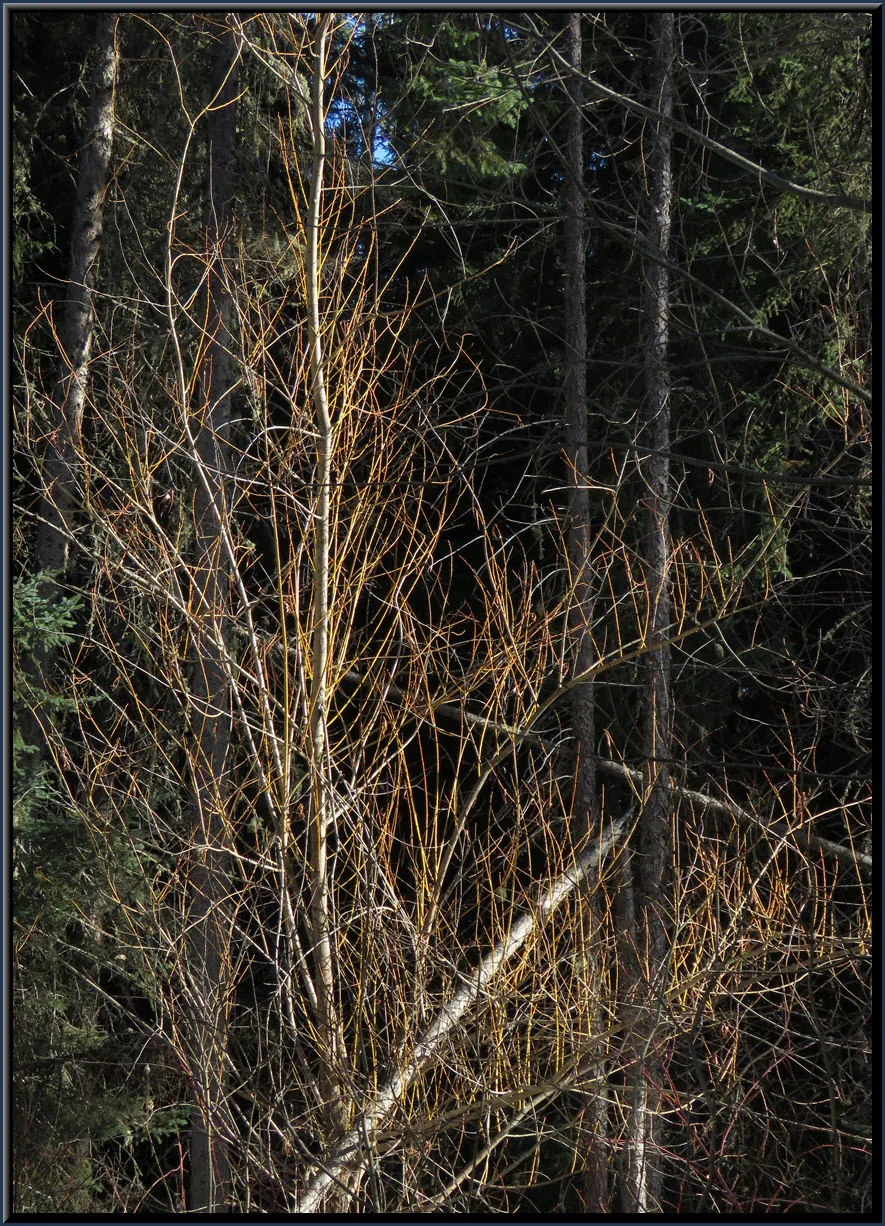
pixel 643 1180
pixel 585 808
pixel 654 830
pixel 60 499
pixel 322 794
pixel 209 919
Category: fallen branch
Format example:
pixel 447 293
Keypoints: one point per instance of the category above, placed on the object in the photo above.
pixel 615 770
pixel 772 828
pixel 351 1153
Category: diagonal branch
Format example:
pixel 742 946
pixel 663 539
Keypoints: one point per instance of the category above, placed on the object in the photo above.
pixel 349 1155
pixel 839 200
pixel 634 778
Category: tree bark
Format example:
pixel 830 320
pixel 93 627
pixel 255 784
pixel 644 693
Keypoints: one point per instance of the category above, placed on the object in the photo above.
pixel 575 391
pixel 585 808
pixel 643 1179
pixel 209 919
pixel 60 497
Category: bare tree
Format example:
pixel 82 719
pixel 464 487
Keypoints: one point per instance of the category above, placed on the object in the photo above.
pixel 322 796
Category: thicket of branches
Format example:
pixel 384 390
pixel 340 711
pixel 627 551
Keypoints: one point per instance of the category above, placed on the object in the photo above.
pixel 441 615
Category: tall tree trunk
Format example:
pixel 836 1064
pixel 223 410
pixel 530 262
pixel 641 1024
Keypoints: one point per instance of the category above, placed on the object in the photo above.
pixel 209 919
pixel 585 808
pixel 643 1176
pixel 322 797
pixel 59 500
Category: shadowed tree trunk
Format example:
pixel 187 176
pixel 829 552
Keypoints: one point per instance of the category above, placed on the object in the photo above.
pixel 585 808
pixel 643 1175
pixel 60 498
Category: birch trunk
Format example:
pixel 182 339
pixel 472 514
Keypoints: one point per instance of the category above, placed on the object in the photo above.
pixel 322 795
pixel 643 1177
pixel 60 498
